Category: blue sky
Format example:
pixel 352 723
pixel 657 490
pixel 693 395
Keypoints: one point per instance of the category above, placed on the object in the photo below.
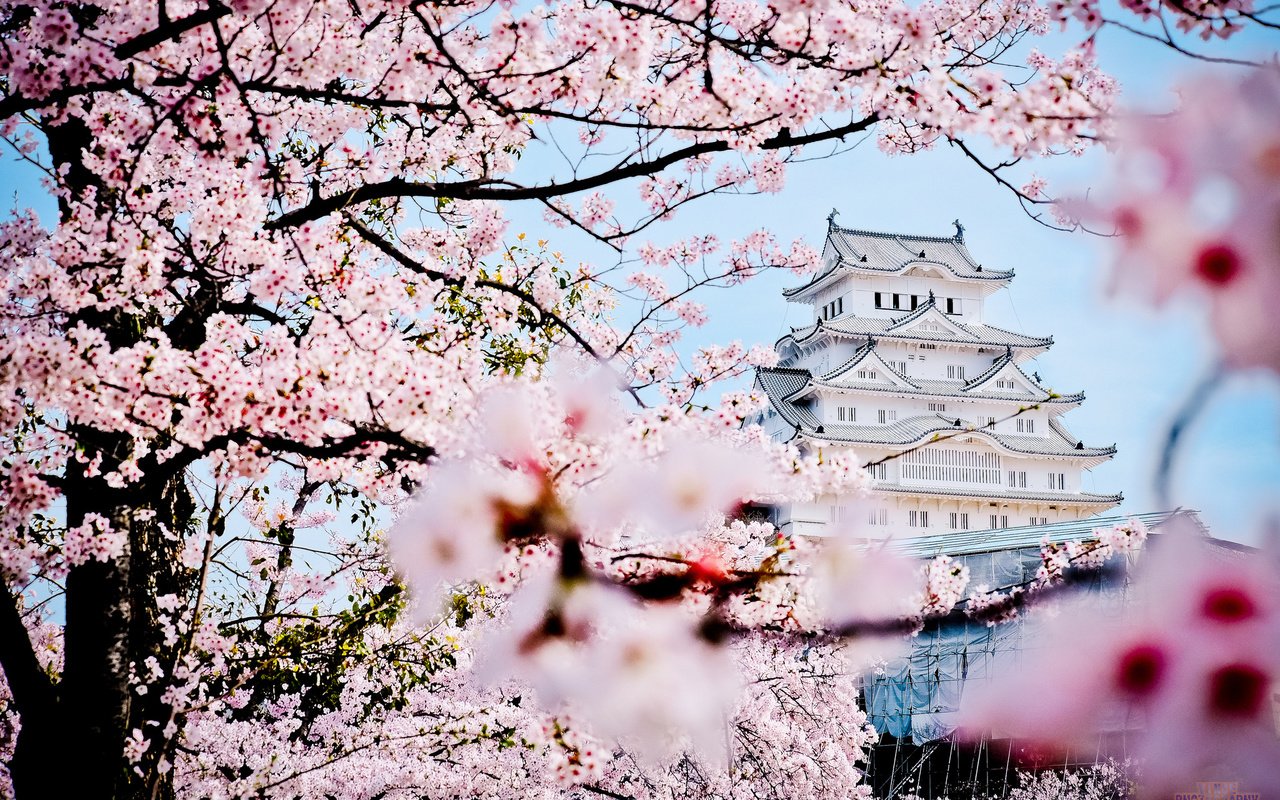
pixel 1135 365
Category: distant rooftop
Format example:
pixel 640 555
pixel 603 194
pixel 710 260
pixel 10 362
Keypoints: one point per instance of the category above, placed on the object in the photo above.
pixel 967 542
pixel 889 253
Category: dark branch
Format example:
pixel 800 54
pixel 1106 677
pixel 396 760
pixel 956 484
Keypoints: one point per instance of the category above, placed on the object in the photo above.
pixel 32 689
pixel 491 189
pixel 170 30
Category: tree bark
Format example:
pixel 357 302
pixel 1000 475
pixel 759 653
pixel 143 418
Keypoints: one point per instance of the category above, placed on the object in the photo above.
pixel 112 618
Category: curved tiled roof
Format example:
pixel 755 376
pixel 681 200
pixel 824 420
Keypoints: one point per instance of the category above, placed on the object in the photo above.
pixel 781 384
pixel 914 430
pixel 1065 498
pixel 918 385
pixel 929 386
pixel 882 327
pixel 941 388
pixel 887 253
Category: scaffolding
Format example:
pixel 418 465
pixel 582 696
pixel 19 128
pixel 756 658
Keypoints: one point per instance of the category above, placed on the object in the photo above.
pixel 913 702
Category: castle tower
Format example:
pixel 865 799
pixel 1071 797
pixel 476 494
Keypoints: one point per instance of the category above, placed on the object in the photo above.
pixel 899 367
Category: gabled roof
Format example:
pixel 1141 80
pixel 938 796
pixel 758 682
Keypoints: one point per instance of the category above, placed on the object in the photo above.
pixel 1006 366
pixel 928 312
pixel 893 328
pixel 844 378
pixel 780 385
pixel 875 252
pixel 863 358
pixel 917 430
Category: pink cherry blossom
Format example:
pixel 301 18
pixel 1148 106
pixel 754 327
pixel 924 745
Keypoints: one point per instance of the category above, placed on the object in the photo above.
pixel 1185 666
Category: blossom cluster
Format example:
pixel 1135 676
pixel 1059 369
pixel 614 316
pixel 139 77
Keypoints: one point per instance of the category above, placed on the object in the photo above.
pixel 1197 209
pixel 1184 666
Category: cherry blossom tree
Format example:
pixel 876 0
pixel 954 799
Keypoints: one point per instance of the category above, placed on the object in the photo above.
pixel 280 296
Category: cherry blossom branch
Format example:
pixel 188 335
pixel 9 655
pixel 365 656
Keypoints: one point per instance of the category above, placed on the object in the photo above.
pixel 170 30
pixel 525 297
pixel 1168 41
pixel 1023 198
pixel 502 189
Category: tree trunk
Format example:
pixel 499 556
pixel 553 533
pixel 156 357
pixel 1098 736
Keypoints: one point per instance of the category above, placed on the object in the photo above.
pixel 73 738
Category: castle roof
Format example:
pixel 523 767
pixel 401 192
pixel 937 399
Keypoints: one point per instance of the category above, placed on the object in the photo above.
pixel 846 377
pixel 953 332
pixel 1064 498
pixel 874 252
pixel 780 385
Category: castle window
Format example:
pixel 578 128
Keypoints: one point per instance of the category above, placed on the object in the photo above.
pixel 880 470
pixel 878 516
pixel 955 371
pixel 937 406
pixel 1026 425
pixel 1017 479
pixel 1058 480
pixel 1039 520
pixel 999 521
pixel 879 299
pixel 915 302
pixel 951 465
pixel 887 416
pixel 959 521
pixel 897 301
pixel 918 519
pixel 953 305
pixel 847 414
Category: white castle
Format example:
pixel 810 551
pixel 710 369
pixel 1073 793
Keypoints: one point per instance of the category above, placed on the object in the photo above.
pixel 899 368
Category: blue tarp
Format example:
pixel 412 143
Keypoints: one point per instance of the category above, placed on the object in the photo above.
pixel 916 696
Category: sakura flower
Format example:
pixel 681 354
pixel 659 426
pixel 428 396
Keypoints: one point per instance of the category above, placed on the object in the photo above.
pixel 627 670
pixel 589 401
pixel 1185 669
pixel 858 588
pixel 509 424
pixel 1200 209
pixel 679 490
pixel 455 530
pixel 857 584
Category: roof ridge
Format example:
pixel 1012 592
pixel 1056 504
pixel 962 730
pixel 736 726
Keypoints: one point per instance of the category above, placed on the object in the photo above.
pixel 1006 441
pixel 860 352
pixel 892 235
pixel 1015 333
pixel 923 390
pixel 1094 496
pixel 996 365
pixel 914 313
